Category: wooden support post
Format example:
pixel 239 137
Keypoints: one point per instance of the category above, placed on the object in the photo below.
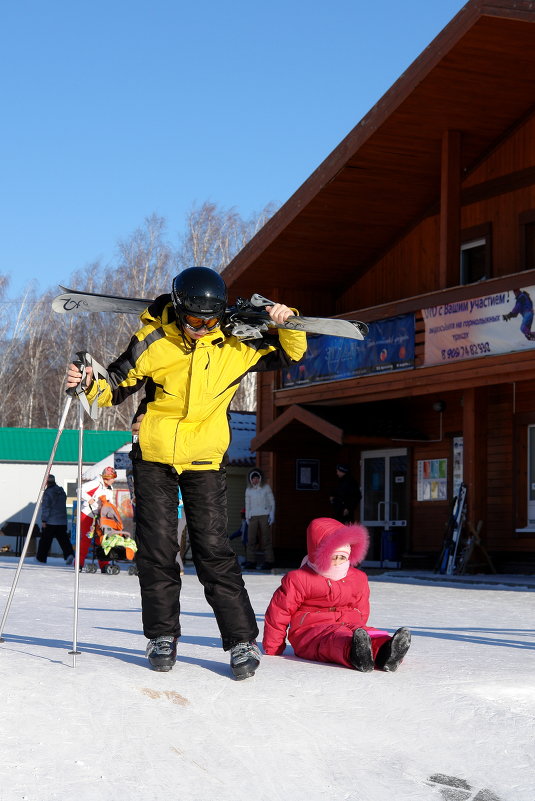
pixel 475 450
pixel 450 210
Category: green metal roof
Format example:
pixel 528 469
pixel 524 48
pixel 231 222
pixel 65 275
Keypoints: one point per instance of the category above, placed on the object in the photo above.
pixel 35 445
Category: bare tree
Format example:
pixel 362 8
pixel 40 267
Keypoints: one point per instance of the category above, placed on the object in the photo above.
pixel 36 344
pixel 214 236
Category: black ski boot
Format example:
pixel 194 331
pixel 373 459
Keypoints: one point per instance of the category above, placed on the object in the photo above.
pixel 360 654
pixel 161 652
pixel 391 653
pixel 244 659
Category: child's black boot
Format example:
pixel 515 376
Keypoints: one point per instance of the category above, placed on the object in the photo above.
pixel 391 653
pixel 360 654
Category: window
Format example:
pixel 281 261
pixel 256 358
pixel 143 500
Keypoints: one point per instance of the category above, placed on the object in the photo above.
pixel 527 240
pixel 531 477
pixel 524 474
pixel 476 254
pixel 473 261
pixel 529 246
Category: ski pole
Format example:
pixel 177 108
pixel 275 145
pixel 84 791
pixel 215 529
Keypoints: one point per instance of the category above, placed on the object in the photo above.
pixel 35 513
pixel 75 650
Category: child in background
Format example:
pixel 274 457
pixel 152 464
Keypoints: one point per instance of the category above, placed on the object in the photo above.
pixel 325 604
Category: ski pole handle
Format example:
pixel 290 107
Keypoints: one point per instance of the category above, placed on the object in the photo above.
pixel 72 390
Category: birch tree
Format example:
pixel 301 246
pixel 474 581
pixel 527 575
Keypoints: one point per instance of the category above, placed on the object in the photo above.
pixel 36 344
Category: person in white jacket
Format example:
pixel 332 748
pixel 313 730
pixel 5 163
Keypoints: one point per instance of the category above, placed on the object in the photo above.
pixel 260 515
pixel 92 492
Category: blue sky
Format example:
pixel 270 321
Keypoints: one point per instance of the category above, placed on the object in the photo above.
pixel 117 109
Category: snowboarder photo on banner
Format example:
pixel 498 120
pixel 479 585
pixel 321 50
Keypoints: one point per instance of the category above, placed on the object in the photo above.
pixel 93 491
pixel 191 371
pixel 324 605
pixel 523 307
pixel 260 516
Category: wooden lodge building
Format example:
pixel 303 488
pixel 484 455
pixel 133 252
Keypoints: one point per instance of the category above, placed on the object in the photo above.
pixel 422 224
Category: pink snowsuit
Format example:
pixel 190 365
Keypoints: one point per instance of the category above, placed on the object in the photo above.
pixel 323 613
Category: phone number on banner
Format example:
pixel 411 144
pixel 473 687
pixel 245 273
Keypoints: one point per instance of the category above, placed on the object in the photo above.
pixel 462 351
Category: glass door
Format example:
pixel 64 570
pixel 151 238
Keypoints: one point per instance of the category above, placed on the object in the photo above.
pixel 384 505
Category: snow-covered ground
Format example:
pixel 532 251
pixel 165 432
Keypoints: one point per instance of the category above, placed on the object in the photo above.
pixel 455 722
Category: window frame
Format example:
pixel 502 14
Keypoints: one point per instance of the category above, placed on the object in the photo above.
pixel 480 234
pixel 525 218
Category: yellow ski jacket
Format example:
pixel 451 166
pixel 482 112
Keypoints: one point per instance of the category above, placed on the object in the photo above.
pixel 190 387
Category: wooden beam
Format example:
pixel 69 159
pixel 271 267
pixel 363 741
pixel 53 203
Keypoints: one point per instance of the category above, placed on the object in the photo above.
pixel 441 297
pixel 505 368
pixel 450 209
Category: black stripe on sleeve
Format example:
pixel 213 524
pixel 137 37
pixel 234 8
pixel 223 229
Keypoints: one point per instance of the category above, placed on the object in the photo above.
pixel 119 370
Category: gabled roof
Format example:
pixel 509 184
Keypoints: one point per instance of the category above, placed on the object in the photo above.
pixel 35 445
pixel 299 420
pixel 477 77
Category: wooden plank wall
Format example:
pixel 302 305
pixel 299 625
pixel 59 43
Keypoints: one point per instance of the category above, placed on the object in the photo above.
pixel 494 192
pixel 498 524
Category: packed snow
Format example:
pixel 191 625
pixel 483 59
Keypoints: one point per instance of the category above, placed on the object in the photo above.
pixel 455 722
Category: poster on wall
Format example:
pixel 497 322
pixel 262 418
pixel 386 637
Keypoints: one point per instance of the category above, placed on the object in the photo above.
pixel 432 480
pixel 307 474
pixel 457 465
pixel 388 346
pixel 485 326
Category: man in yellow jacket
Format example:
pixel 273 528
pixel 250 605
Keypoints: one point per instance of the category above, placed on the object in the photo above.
pixel 190 370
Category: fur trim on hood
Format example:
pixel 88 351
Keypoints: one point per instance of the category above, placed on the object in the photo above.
pixel 255 472
pixel 325 536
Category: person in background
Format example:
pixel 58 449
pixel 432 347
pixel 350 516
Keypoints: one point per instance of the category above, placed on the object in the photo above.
pixel 260 516
pixel 325 604
pixel 92 492
pixel 346 495
pixel 54 522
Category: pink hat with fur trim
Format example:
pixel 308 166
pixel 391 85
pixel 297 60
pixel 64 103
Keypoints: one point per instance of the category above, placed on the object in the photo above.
pixel 326 536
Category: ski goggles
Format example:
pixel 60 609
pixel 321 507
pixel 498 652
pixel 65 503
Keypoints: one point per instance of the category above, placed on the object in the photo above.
pixel 196 323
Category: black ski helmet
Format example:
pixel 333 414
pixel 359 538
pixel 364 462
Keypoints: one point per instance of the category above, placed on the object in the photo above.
pixel 199 291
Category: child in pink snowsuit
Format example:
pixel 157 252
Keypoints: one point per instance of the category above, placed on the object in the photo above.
pixel 325 604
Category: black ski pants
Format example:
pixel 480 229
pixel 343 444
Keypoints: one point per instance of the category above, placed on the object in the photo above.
pixel 45 541
pixel 204 493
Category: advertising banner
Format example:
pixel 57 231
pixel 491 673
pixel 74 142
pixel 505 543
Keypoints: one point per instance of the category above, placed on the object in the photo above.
pixel 388 346
pixel 484 326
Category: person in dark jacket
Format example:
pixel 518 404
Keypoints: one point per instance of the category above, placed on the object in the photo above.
pixel 346 495
pixel 54 522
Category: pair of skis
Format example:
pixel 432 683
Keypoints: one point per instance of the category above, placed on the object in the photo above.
pixel 448 562
pixel 248 319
